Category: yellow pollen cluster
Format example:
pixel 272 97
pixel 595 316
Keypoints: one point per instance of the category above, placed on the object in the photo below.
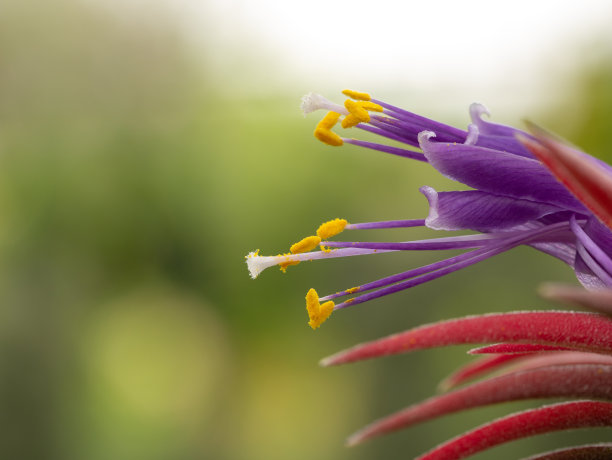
pixel 357 111
pixel 323 130
pixel 358 96
pixel 331 228
pixel 358 107
pixel 353 289
pixel 305 245
pixel 283 265
pixel 317 313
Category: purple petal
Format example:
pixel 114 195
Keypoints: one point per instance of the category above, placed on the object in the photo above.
pixel 588 179
pixel 480 211
pixel 497 172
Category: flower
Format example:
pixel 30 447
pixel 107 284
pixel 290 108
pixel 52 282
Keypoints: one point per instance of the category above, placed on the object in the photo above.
pixel 527 189
pixel 515 200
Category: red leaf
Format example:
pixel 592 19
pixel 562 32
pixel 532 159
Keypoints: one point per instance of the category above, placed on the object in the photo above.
pixel 598 300
pixel 523 348
pixel 564 416
pixel 601 451
pixel 476 368
pixel 582 331
pixel 575 381
pixel 518 362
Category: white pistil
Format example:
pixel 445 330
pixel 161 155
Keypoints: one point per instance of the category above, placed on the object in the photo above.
pixel 313 101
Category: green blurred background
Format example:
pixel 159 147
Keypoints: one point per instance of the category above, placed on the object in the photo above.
pixel 137 170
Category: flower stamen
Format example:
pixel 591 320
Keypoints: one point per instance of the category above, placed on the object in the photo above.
pixel 317 313
pixel 331 228
pixel 357 95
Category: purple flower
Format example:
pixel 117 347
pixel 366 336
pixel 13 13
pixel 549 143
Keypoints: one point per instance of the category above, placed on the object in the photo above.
pixel 527 190
pixel 515 201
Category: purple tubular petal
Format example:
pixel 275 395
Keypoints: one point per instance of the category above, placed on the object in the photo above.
pixel 556 417
pixel 386 224
pixel 458 135
pixel 599 234
pixel 593 265
pixel 505 144
pixel 576 330
pixel 573 381
pixel 388 149
pixel 492 129
pixel 501 174
pixel 480 211
pixel 409 129
pixel 601 451
pixel 387 134
pixel 602 259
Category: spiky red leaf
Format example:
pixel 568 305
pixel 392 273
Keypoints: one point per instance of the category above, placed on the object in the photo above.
pixel 575 381
pixel 602 451
pixel 582 331
pixel 598 300
pixel 564 416
pixel 477 368
pixel 512 348
pixel 518 362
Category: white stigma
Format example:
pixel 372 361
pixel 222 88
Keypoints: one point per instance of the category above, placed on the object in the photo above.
pixel 257 264
pixel 313 101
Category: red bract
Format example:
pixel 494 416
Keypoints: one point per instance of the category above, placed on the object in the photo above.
pixel 575 381
pixel 565 416
pixel 580 331
pixel 598 300
pixel 601 451
pixel 516 362
pixel 512 348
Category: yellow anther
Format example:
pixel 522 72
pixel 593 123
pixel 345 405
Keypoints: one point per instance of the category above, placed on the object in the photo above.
pixel 317 313
pixel 287 263
pixel 349 121
pixel 323 130
pixel 305 245
pixel 331 228
pixel 358 96
pixel 329 120
pixel 328 137
pixel 359 112
pixel 370 106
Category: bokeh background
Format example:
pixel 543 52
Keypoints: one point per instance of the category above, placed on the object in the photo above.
pixel 146 147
